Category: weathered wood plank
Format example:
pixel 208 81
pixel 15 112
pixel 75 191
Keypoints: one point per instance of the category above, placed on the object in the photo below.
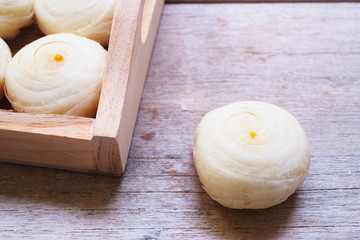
pixel 302 57
pixel 255 1
pixel 167 175
pixel 96 204
pixel 204 233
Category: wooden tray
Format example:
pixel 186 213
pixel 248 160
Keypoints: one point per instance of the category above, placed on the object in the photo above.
pixel 85 144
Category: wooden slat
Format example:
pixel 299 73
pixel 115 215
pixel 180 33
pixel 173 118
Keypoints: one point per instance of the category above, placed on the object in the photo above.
pixel 302 57
pixel 43 123
pixel 129 56
pixel 25 139
pixel 97 204
pixel 256 1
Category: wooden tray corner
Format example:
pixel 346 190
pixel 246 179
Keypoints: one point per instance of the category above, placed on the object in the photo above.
pixel 85 144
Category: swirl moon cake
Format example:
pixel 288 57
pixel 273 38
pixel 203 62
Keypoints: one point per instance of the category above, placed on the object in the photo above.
pixel 89 18
pixel 60 74
pixel 15 14
pixel 250 155
pixel 5 57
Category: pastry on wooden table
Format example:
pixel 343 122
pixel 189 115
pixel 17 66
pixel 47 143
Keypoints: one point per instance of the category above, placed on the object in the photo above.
pixel 15 14
pixel 59 73
pixel 89 18
pixel 251 154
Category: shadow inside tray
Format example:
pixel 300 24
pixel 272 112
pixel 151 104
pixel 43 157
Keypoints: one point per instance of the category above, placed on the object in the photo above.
pixel 26 36
pixel 34 185
pixel 5 104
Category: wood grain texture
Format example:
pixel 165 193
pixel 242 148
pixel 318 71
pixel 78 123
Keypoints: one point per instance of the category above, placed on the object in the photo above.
pixel 43 123
pixel 255 1
pixel 302 57
pixel 129 55
pixel 25 138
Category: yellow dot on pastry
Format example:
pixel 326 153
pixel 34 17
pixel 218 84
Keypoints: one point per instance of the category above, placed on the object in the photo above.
pixel 58 57
pixel 252 135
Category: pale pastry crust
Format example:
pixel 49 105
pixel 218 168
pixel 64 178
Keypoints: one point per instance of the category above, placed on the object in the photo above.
pixel 89 18
pixel 15 14
pixel 60 74
pixel 250 155
pixel 5 57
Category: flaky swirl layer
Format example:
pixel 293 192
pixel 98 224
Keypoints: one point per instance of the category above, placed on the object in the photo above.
pixel 15 14
pixel 251 154
pixel 60 73
pixel 5 56
pixel 89 18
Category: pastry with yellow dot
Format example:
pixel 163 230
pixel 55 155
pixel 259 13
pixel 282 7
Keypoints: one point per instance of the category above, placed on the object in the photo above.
pixel 250 155
pixel 59 73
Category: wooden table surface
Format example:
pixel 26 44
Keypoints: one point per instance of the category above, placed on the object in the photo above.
pixel 302 57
